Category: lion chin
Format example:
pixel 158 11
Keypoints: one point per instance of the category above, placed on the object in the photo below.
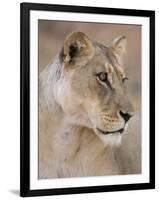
pixel 113 139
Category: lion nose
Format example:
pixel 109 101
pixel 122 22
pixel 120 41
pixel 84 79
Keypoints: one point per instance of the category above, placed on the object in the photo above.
pixel 125 116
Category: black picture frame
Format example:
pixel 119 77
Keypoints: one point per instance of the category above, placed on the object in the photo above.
pixel 25 9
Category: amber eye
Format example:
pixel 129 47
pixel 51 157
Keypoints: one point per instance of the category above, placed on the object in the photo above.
pixel 102 76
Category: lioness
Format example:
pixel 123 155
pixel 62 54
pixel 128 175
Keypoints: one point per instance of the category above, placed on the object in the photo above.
pixel 83 109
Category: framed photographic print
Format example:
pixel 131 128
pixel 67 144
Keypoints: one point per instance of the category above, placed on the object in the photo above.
pixel 87 99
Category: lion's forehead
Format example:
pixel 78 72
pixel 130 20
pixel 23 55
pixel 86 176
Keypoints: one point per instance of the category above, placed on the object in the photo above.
pixel 101 63
pixel 101 59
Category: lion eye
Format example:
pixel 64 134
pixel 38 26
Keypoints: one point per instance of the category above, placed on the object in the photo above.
pixel 124 79
pixel 102 76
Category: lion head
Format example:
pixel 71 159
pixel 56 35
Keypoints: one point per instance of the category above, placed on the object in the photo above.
pixel 91 87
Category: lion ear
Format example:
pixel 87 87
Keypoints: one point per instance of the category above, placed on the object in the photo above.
pixel 76 45
pixel 118 46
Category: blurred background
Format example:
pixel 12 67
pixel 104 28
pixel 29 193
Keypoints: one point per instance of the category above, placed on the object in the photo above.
pixel 51 37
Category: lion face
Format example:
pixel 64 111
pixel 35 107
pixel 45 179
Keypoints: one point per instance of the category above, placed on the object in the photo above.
pixel 91 90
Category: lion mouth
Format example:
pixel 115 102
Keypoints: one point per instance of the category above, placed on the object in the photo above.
pixel 110 132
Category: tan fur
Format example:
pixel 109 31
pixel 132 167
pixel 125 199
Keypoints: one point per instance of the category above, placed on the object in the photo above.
pixel 74 105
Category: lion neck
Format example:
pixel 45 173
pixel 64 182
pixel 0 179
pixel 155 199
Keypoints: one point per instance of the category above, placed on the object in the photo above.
pixel 51 112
